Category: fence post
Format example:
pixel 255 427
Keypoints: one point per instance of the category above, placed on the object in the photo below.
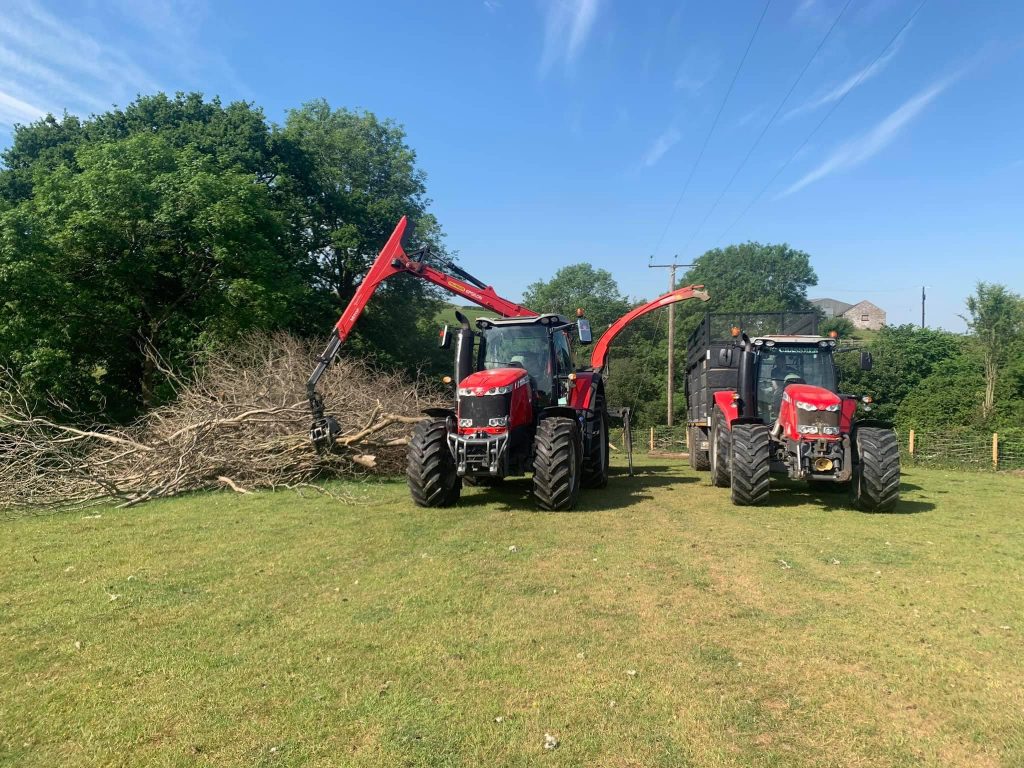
pixel 995 450
pixel 652 439
pixel 910 445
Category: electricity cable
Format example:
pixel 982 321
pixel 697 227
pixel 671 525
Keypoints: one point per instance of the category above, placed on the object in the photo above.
pixel 714 123
pixel 828 114
pixel 768 125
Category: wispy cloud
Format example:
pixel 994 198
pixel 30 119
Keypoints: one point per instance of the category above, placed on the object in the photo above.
pixel 15 110
pixel 853 81
pixel 105 55
pixel 857 150
pixel 567 25
pixel 695 71
pixel 660 146
pixel 492 5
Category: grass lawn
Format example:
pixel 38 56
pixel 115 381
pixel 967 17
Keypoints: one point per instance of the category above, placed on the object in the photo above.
pixel 656 626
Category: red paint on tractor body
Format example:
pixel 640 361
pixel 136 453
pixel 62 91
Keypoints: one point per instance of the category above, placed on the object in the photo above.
pixel 726 403
pixel 819 397
pixel 520 398
pixel 481 381
pixel 582 391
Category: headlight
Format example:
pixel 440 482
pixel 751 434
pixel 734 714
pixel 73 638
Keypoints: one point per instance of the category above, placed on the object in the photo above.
pixel 808 429
pixel 834 407
pixel 498 391
pixel 500 421
pixel 465 392
pixel 805 406
pixel 830 430
pixel 465 422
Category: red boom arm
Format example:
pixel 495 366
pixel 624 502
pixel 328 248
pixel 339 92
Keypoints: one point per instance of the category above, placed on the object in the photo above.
pixel 393 260
pixel 599 357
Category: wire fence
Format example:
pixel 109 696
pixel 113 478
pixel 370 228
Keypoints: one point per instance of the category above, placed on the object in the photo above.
pixel 978 451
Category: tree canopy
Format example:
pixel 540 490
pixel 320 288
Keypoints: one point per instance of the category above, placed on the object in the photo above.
pixel 132 240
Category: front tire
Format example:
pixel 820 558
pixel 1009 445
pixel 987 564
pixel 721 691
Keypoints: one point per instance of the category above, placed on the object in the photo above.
pixel 750 448
pixel 719 452
pixel 595 463
pixel 557 463
pixel 876 471
pixel 430 468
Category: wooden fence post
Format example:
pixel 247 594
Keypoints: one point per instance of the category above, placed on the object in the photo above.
pixel 995 450
pixel 652 439
pixel 910 444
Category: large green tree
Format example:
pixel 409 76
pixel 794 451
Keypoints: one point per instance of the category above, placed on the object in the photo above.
pixel 579 286
pixel 138 237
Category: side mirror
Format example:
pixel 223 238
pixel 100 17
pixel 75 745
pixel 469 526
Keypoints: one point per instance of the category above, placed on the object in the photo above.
pixel 865 361
pixel 445 337
pixel 583 327
pixel 725 357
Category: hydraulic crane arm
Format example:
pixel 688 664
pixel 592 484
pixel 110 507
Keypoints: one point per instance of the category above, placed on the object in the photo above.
pixel 599 357
pixel 393 260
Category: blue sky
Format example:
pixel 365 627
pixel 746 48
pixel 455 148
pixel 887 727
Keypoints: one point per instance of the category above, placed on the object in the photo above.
pixel 564 131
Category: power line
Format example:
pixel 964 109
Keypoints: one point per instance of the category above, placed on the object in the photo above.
pixel 828 114
pixel 768 125
pixel 714 123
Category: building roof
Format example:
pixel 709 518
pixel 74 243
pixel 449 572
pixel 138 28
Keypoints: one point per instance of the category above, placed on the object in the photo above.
pixel 838 307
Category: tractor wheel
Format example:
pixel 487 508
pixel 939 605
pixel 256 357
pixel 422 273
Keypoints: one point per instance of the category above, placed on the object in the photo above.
pixel 595 462
pixel 557 463
pixel 750 456
pixel 719 452
pixel 430 468
pixel 876 470
pixel 699 460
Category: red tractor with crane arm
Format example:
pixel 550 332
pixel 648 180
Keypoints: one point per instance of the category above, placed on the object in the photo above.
pixel 521 405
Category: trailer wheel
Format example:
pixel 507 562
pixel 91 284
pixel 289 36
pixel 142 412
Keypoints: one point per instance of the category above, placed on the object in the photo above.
pixel 750 458
pixel 557 463
pixel 699 460
pixel 719 452
pixel 595 462
pixel 430 468
pixel 876 470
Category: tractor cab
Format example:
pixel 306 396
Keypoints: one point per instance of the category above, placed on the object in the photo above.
pixel 782 361
pixel 538 345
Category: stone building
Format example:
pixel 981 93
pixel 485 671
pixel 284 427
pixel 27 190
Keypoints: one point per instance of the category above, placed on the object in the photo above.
pixel 863 314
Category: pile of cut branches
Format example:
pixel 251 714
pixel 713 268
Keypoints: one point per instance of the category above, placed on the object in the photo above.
pixel 241 422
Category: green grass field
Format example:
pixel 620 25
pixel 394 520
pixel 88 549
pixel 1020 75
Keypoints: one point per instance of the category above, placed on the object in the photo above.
pixel 655 626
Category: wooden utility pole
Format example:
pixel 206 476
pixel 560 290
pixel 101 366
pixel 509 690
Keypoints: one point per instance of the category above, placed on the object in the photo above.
pixel 922 306
pixel 671 328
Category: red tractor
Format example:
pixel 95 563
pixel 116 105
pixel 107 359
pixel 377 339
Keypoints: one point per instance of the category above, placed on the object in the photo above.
pixel 771 404
pixel 521 404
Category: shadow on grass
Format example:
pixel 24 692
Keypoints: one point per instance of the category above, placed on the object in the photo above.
pixel 621 492
pixel 794 493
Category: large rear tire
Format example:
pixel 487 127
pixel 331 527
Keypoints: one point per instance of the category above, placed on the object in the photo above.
pixel 876 470
pixel 595 463
pixel 750 458
pixel 699 460
pixel 557 463
pixel 430 468
pixel 719 451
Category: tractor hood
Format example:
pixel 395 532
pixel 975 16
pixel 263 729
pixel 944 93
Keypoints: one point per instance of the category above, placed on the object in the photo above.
pixel 480 383
pixel 809 395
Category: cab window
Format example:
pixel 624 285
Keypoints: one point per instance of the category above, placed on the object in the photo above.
pixel 563 356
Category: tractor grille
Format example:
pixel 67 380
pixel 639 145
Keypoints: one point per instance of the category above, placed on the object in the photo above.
pixel 482 409
pixel 820 418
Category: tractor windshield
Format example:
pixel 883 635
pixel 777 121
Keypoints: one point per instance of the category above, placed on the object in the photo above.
pixel 779 366
pixel 519 346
